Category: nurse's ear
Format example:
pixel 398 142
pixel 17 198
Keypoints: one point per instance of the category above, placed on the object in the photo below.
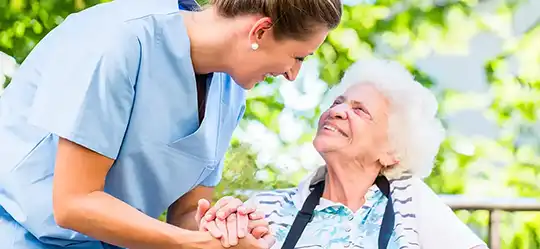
pixel 260 31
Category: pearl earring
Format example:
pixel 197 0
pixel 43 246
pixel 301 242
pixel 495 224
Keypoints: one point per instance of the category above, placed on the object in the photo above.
pixel 254 46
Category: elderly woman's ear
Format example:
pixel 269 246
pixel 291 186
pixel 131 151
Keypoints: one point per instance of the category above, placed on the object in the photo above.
pixel 388 156
pixel 388 159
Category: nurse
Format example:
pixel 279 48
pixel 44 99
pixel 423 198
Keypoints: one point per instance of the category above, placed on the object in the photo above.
pixel 127 108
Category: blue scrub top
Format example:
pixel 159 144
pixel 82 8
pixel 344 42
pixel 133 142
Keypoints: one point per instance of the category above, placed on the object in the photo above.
pixel 116 78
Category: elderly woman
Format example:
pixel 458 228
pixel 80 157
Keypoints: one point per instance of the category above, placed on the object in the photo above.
pixel 378 139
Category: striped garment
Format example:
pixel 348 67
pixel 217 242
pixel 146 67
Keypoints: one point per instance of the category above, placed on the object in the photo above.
pixel 422 219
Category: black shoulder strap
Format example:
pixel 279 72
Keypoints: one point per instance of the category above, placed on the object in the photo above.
pixel 305 215
pixel 389 218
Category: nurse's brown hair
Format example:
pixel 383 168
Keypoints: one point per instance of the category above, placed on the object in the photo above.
pixel 292 19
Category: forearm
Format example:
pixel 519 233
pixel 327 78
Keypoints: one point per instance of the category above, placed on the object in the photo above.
pixel 110 220
pixel 185 221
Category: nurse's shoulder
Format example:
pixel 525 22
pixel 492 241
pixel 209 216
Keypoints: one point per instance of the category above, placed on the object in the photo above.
pixel 103 55
pixel 104 21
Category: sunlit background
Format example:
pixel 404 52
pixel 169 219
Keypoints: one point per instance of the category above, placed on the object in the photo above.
pixel 481 58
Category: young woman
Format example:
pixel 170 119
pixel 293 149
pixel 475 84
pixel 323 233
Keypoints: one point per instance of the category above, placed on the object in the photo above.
pixel 126 109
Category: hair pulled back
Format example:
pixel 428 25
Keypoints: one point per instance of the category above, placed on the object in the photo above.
pixel 292 19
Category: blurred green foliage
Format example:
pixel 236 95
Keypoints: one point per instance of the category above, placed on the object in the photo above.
pixel 508 165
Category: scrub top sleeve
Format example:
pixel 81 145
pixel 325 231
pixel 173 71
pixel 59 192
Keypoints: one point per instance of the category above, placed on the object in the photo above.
pixel 86 94
pixel 215 176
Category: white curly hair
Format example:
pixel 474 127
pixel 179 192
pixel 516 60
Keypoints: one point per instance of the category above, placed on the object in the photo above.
pixel 414 131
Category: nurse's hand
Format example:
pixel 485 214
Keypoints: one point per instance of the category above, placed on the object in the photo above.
pixel 258 235
pixel 257 229
pixel 223 209
pixel 266 242
pixel 236 225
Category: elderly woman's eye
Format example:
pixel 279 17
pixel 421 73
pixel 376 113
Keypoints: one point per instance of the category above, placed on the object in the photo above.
pixel 361 110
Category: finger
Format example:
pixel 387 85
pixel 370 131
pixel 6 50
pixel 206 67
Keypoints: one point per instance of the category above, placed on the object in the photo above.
pixel 203 226
pixel 211 227
pixel 257 223
pixel 268 240
pixel 232 229
pixel 222 226
pixel 231 207
pixel 256 243
pixel 256 215
pixel 211 213
pixel 246 209
pixel 202 208
pixel 242 225
pixel 259 232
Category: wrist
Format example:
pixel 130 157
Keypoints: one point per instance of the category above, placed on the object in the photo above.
pixel 195 240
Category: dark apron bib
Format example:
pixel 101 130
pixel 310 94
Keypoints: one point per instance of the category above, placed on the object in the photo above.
pixel 305 215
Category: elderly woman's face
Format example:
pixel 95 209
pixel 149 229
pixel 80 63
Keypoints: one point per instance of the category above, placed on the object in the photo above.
pixel 355 125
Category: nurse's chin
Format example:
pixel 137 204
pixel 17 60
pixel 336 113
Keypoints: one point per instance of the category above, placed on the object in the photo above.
pixel 247 82
pixel 247 85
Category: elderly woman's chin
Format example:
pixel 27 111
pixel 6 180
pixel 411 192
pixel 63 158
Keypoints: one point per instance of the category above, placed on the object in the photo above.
pixel 325 143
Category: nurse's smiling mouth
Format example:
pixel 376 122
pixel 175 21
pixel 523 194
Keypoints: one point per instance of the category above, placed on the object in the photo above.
pixel 272 75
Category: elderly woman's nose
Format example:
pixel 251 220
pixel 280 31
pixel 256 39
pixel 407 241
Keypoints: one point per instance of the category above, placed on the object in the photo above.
pixel 339 111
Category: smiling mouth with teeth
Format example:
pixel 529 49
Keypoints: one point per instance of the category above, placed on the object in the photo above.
pixel 334 129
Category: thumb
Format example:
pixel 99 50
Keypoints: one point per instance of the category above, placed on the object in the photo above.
pixel 257 243
pixel 269 240
pixel 259 232
pixel 262 243
pixel 202 207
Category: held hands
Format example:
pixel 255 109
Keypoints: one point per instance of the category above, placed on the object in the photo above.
pixel 234 223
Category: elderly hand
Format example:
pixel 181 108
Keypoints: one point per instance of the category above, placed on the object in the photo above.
pixel 250 242
pixel 230 220
pixel 258 235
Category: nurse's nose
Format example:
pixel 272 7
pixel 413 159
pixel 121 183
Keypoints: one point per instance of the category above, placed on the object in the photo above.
pixel 293 72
